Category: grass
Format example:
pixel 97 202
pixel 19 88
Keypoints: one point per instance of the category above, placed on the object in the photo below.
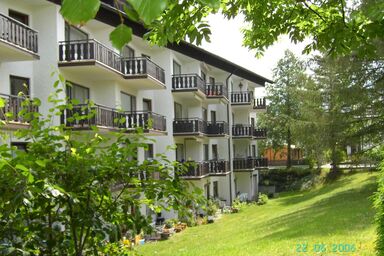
pixel 337 213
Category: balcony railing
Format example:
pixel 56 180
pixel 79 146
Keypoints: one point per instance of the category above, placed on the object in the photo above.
pixel 92 50
pixel 201 169
pixel 188 82
pixel 260 103
pixel 142 66
pixel 189 126
pixel 216 90
pixel 217 128
pixel 13 106
pixel 241 97
pixel 248 131
pixel 89 50
pixel 249 163
pixel 98 115
pixel 17 33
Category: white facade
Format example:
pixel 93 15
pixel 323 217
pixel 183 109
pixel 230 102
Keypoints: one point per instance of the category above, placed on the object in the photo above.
pixel 205 113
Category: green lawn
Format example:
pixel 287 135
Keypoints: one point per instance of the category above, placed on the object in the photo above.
pixel 339 213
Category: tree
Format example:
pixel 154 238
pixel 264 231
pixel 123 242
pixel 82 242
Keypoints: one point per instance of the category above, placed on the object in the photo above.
pixel 284 107
pixel 336 27
pixel 72 192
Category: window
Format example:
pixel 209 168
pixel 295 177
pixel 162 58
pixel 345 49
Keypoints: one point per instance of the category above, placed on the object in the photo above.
pixel 176 68
pixel 211 80
pixel 252 121
pixel 178 110
pixel 21 17
pixel 215 154
pixel 78 92
pixel 205 114
pixel 180 153
pixel 148 153
pixel 205 152
pixel 19 84
pixel 127 52
pixel 204 76
pixel 147 105
pixel 215 189
pixel 254 150
pixel 128 102
pixel 72 33
pixel 20 146
pixel 207 190
pixel 213 116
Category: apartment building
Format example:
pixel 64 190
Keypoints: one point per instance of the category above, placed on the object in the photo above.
pixel 198 101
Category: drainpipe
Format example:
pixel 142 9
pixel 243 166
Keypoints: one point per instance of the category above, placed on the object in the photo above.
pixel 229 140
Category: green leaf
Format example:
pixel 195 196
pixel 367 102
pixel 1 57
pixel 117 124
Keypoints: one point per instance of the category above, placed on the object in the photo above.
pixel 40 163
pixel 120 36
pixel 79 11
pixel 131 13
pixel 149 10
pixel 2 102
pixel 214 4
pixel 21 167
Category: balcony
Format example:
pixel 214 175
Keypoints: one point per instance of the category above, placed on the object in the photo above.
pixel 216 91
pixel 112 119
pixel 198 170
pixel 189 126
pixel 12 108
pixel 217 129
pixel 259 103
pixel 18 42
pixel 92 60
pixel 249 163
pixel 242 98
pixel 248 131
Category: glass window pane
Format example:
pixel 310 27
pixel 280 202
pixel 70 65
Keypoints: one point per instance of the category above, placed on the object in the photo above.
pixel 19 84
pixel 176 68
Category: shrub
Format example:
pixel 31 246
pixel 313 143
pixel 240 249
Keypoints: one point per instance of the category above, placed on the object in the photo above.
pixel 237 205
pixel 262 199
pixel 379 205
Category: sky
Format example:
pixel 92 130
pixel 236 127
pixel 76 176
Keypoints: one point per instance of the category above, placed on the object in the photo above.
pixel 226 41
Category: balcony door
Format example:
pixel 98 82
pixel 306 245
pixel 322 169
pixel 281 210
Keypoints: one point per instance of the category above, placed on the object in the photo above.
pixel 19 85
pixel 180 153
pixel 176 68
pixel 21 17
pixel 205 152
pixel 213 116
pixel 211 80
pixel 78 92
pixel 205 114
pixel 72 33
pixel 147 105
pixel 215 153
pixel 128 102
pixel 127 52
pixel 178 110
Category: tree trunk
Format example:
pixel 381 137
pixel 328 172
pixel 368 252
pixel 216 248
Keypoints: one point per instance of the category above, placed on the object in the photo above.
pixel 289 142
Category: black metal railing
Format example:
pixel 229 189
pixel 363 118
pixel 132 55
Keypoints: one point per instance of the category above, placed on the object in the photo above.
pixel 189 125
pixel 217 128
pixel 89 50
pixel 142 66
pixel 13 106
pixel 18 34
pixel 84 116
pixel 259 133
pixel 241 97
pixel 188 82
pixel 216 90
pixel 259 103
pixel 249 163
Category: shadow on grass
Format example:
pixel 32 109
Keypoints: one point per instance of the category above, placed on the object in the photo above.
pixel 308 195
pixel 341 213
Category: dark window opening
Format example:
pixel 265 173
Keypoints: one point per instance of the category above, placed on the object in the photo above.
pixel 78 92
pixel 19 85
pixel 21 17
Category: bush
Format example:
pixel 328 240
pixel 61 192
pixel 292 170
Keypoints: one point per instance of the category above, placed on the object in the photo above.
pixel 379 205
pixel 262 199
pixel 237 205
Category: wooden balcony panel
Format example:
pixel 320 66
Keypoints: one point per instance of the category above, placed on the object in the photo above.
pixel 217 129
pixel 242 98
pixel 216 90
pixel 249 163
pixel 187 82
pixel 189 126
pixel 18 42
pixel 13 106
pixel 260 103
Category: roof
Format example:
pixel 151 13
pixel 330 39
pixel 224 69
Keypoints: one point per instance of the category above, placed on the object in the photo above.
pixel 109 15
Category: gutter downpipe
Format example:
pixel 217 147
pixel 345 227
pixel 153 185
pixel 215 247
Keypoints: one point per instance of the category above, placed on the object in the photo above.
pixel 229 140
